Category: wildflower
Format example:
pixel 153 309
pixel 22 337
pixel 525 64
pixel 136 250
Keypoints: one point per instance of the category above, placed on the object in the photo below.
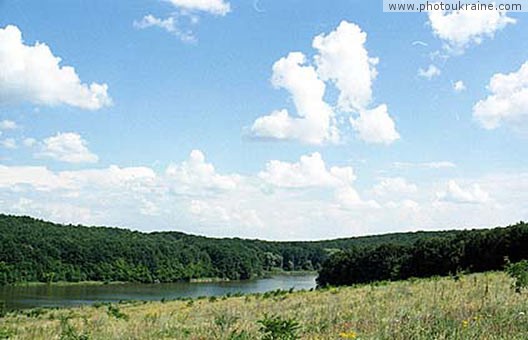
pixel 465 323
pixel 348 335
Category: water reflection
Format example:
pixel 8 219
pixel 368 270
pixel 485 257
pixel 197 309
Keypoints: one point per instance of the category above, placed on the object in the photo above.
pixel 74 295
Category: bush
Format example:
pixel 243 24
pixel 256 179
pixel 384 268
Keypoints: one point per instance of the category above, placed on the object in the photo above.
pixel 519 272
pixel 68 332
pixel 116 312
pixel 277 328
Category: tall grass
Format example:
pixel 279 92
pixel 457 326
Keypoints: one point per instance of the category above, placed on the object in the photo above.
pixel 480 306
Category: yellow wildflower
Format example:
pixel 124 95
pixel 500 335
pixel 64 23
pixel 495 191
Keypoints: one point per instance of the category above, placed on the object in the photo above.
pixel 348 335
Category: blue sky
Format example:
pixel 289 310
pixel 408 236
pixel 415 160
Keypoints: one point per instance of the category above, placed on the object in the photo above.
pixel 425 141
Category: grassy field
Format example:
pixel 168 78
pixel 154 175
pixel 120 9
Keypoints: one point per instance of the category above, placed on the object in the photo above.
pixel 480 306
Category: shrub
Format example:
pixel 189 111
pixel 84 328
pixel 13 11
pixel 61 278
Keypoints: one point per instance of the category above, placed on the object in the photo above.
pixel 277 328
pixel 519 272
pixel 68 332
pixel 116 312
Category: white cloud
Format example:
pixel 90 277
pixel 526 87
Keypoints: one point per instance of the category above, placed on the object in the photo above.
pixel 111 177
pixel 348 198
pixel 319 201
pixel 29 142
pixel 471 194
pixel 394 185
pixel 314 124
pixel 63 211
pixel 8 125
pixel 34 74
pixel 169 24
pixel 425 165
pixel 8 143
pixel 460 29
pixel 206 211
pixel 215 7
pixel 405 204
pixel 343 59
pixel 67 147
pixel 508 101
pixel 431 72
pixel 197 173
pixel 375 126
pixel 459 86
pixel 310 171
pixel 36 176
pixel 179 23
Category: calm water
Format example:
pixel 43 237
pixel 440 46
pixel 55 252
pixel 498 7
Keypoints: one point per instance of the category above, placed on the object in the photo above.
pixel 74 295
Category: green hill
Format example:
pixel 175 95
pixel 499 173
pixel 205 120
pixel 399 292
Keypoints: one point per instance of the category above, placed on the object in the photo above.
pixel 32 250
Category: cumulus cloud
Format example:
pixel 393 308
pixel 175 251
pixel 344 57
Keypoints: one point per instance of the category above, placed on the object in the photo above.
pixel 206 211
pixel 197 173
pixel 309 171
pixel 179 22
pixel 216 7
pixel 459 86
pixel 471 194
pixel 508 102
pixel 169 24
pixel 375 126
pixel 312 172
pixel 67 147
pixel 314 121
pixel 390 186
pixel 29 142
pixel 8 143
pixel 303 199
pixel 424 165
pixel 33 74
pixel 8 125
pixel 344 60
pixel 460 29
pixel 38 177
pixel 429 73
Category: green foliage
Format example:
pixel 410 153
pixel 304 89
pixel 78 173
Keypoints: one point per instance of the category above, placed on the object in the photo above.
pixel 114 311
pixel 224 322
pixel 519 272
pixel 3 309
pixel 239 335
pixel 449 254
pixel 33 250
pixel 68 332
pixel 6 333
pixel 278 328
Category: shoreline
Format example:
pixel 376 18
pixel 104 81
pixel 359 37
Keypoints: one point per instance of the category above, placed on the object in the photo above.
pixel 265 275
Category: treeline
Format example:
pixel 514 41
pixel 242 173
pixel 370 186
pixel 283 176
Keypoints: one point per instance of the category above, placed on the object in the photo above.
pixel 33 250
pixel 462 251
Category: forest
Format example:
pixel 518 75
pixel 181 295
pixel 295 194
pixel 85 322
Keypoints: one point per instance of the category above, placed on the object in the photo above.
pixel 32 250
pixel 449 254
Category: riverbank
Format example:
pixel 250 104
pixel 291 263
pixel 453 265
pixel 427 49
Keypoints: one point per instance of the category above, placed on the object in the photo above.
pixel 479 306
pixel 66 283
pixel 266 274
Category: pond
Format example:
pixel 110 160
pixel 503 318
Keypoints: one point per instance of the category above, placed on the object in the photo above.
pixel 29 296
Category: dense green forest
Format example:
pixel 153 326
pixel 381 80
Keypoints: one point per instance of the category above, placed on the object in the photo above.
pixel 34 250
pixel 450 253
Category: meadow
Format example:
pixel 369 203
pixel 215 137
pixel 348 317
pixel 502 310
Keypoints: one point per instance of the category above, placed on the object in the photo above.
pixel 474 306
